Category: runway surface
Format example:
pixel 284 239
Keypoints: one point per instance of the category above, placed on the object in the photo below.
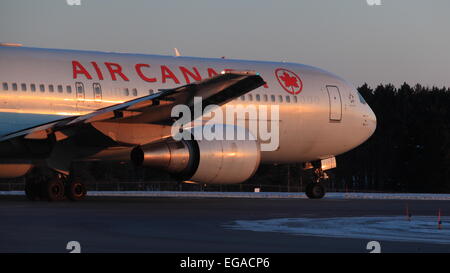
pixel 198 224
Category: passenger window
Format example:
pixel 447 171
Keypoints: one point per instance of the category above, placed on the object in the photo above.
pixel 135 92
pixel 280 98
pixel 97 91
pixel 242 98
pixel 295 99
pixel 126 92
pixel 24 87
pixel 42 87
pixel 79 90
pixel 69 89
pixel 33 87
pixel 258 97
pixel 50 88
pixel 265 98
pixel 272 98
pixel 250 97
pixel 150 91
pixel 288 99
pixel 60 89
pixel 14 86
pixel 5 86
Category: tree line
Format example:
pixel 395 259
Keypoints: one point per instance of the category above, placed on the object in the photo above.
pixel 410 149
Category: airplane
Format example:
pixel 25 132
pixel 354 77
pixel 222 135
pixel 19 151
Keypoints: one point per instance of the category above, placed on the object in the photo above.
pixel 58 107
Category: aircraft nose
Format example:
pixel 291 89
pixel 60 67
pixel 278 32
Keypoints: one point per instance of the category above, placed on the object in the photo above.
pixel 370 121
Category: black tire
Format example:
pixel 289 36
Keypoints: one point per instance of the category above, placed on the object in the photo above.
pixel 53 190
pixel 315 191
pixel 75 190
pixel 32 190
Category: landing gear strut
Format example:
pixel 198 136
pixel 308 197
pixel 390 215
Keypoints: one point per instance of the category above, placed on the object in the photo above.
pixel 316 189
pixel 53 187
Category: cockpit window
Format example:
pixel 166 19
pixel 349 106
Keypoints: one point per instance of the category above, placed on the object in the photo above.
pixel 361 99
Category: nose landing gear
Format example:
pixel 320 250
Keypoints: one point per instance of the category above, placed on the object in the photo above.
pixel 316 189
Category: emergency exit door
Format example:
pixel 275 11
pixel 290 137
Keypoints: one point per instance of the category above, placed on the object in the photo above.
pixel 335 103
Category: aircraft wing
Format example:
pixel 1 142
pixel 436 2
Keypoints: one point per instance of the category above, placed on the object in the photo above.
pixel 155 108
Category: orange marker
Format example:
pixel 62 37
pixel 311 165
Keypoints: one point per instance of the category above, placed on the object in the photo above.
pixel 408 214
pixel 439 220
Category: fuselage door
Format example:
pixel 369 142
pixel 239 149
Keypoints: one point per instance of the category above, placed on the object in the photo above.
pixel 97 92
pixel 335 103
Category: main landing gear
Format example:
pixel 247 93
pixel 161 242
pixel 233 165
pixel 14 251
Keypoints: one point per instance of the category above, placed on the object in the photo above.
pixel 53 187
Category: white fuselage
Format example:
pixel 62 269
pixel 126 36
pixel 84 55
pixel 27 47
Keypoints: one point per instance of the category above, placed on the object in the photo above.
pixel 320 114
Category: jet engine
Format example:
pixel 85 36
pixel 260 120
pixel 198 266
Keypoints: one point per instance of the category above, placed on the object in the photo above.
pixel 202 161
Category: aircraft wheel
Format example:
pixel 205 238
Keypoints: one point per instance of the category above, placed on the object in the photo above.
pixel 315 191
pixel 75 190
pixel 32 189
pixel 53 189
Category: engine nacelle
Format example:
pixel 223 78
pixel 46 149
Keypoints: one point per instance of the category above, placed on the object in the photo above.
pixel 13 170
pixel 202 161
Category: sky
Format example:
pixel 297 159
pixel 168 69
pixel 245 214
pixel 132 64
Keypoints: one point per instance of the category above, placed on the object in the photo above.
pixel 395 42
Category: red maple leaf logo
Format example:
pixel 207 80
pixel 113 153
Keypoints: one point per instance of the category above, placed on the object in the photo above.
pixel 289 81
